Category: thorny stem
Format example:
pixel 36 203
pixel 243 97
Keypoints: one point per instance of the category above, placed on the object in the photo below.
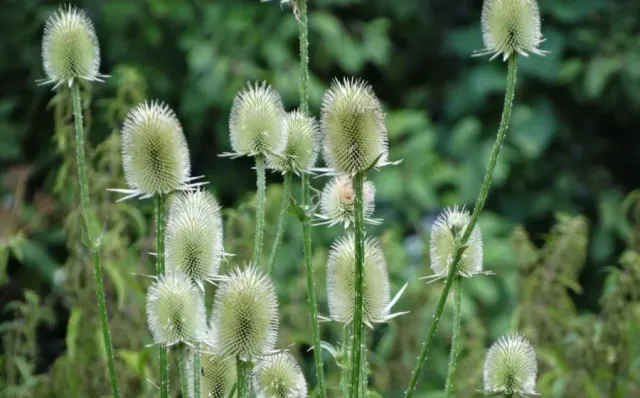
pixel 484 191
pixel 357 352
pixel 301 16
pixel 159 200
pixel 241 383
pixel 346 340
pixel 184 378
pixel 196 370
pixel 282 220
pixel 455 341
pixel 257 246
pixel 93 235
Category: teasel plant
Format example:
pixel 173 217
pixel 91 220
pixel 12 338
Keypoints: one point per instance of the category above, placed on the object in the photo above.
pixel 510 28
pixel 218 378
pixel 71 55
pixel 510 368
pixel 278 376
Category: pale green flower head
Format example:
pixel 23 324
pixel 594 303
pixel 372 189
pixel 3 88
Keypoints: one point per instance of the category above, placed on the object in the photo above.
pixel 353 127
pixel 337 202
pixel 245 312
pixel 301 151
pixel 217 373
pixel 445 231
pixel 510 367
pixel 193 242
pixel 511 27
pixel 70 47
pixel 341 282
pixel 278 376
pixel 256 125
pixel 175 310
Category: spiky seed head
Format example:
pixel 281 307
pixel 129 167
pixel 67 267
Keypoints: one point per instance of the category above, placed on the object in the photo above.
pixel 445 231
pixel 256 123
pixel 278 376
pixel 341 281
pixel 245 312
pixel 175 310
pixel 353 127
pixel 511 367
pixel 510 27
pixel 70 47
pixel 155 156
pixel 193 241
pixel 217 373
pixel 301 151
pixel 337 202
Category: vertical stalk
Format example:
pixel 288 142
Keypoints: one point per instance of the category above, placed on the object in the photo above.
pixel 93 235
pixel 301 16
pixel 282 221
pixel 196 370
pixel 159 212
pixel 455 341
pixel 242 384
pixel 357 353
pixel 482 197
pixel 346 341
pixel 257 246
pixel 182 366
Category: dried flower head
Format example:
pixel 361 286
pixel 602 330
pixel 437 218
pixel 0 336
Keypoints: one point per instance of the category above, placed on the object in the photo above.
pixel 256 123
pixel 175 310
pixel 70 47
pixel 193 241
pixel 155 157
pixel 341 282
pixel 337 202
pixel 353 127
pixel 301 151
pixel 217 373
pixel 445 233
pixel 510 27
pixel 278 376
pixel 511 367
pixel 245 312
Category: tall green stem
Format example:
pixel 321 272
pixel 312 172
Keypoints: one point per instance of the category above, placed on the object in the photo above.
pixel 357 352
pixel 455 341
pixel 346 341
pixel 282 221
pixel 93 235
pixel 484 191
pixel 303 28
pixel 196 370
pixel 257 245
pixel 243 374
pixel 159 210
pixel 182 366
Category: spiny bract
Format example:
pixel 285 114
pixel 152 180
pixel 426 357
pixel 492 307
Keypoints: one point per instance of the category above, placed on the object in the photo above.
pixel 337 202
pixel 193 240
pixel 245 312
pixel 510 27
pixel 175 310
pixel 154 151
pixel 278 376
pixel 70 47
pixel 511 367
pixel 341 281
pixel 256 122
pixel 301 151
pixel 353 127
pixel 452 223
pixel 217 374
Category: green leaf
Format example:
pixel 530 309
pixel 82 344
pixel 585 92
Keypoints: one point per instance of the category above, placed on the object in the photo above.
pixel 72 331
pixel 599 72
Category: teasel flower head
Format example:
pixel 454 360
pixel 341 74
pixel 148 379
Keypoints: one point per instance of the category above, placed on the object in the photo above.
pixel 446 231
pixel 256 124
pixel 155 156
pixel 301 150
pixel 193 241
pixel 70 48
pixel 217 373
pixel 278 376
pixel 175 310
pixel 245 312
pixel 341 282
pixel 510 367
pixel 511 27
pixel 337 202
pixel 353 128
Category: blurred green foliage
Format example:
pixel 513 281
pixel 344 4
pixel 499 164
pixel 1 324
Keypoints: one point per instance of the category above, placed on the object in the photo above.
pixel 569 150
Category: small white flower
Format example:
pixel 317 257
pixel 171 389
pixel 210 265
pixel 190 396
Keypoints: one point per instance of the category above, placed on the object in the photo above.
pixel 337 202
pixel 510 367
